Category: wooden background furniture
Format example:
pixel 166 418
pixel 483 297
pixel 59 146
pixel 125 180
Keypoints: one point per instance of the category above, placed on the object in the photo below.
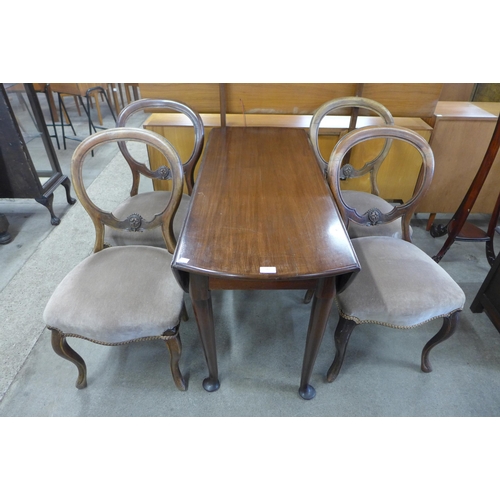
pixel 460 137
pixel 402 99
pixel 457 92
pixel 262 217
pixel 488 297
pixel 117 89
pixel 458 131
pixel 19 177
pixel 393 184
pixel 459 228
pixel 292 105
pixel 79 91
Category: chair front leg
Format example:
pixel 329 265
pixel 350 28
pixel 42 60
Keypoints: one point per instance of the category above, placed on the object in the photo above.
pixel 342 336
pixel 446 331
pixel 175 349
pixel 63 349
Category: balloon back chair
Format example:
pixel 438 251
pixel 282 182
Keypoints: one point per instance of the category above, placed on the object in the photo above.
pixel 124 294
pixel 149 203
pixel 398 286
pixel 360 199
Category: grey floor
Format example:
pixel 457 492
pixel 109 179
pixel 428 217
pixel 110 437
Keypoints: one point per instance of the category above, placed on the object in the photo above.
pixel 260 338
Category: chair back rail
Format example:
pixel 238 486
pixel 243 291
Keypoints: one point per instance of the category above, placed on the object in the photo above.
pixel 162 105
pixel 375 216
pixel 348 171
pixel 134 222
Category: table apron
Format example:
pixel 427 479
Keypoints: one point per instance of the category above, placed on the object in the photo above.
pixel 246 284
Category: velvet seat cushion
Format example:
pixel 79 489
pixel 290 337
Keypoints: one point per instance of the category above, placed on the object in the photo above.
pixel 363 202
pixel 147 205
pixel 398 285
pixel 117 295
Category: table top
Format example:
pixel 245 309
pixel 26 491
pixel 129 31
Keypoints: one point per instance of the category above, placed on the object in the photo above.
pixel 261 209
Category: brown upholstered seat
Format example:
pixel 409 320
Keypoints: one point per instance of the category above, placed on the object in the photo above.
pixel 399 285
pixel 121 294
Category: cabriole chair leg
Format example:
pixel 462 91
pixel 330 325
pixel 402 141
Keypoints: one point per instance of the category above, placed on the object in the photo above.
pixel 446 331
pixel 175 348
pixel 342 336
pixel 62 348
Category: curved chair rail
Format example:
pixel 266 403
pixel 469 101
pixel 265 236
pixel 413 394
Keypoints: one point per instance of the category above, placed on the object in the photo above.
pixel 133 222
pixel 164 104
pixel 374 216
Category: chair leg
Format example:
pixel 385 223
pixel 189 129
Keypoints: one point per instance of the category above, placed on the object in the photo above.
pixel 64 113
pixel 62 348
pixel 87 112
pixel 342 336
pixel 175 348
pixel 308 296
pixel 98 108
pixel 184 313
pixel 446 331
pixel 108 102
pixel 77 105
pixel 114 95
pixel 51 112
pixel 60 101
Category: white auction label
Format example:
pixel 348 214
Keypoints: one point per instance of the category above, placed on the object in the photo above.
pixel 269 270
pixel 183 260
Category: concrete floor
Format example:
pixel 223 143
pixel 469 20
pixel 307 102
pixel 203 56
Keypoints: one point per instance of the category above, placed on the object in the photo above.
pixel 260 340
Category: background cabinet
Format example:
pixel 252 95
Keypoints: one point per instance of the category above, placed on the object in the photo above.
pixel 461 134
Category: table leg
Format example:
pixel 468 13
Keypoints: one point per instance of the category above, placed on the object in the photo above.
pixel 202 306
pixel 320 312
